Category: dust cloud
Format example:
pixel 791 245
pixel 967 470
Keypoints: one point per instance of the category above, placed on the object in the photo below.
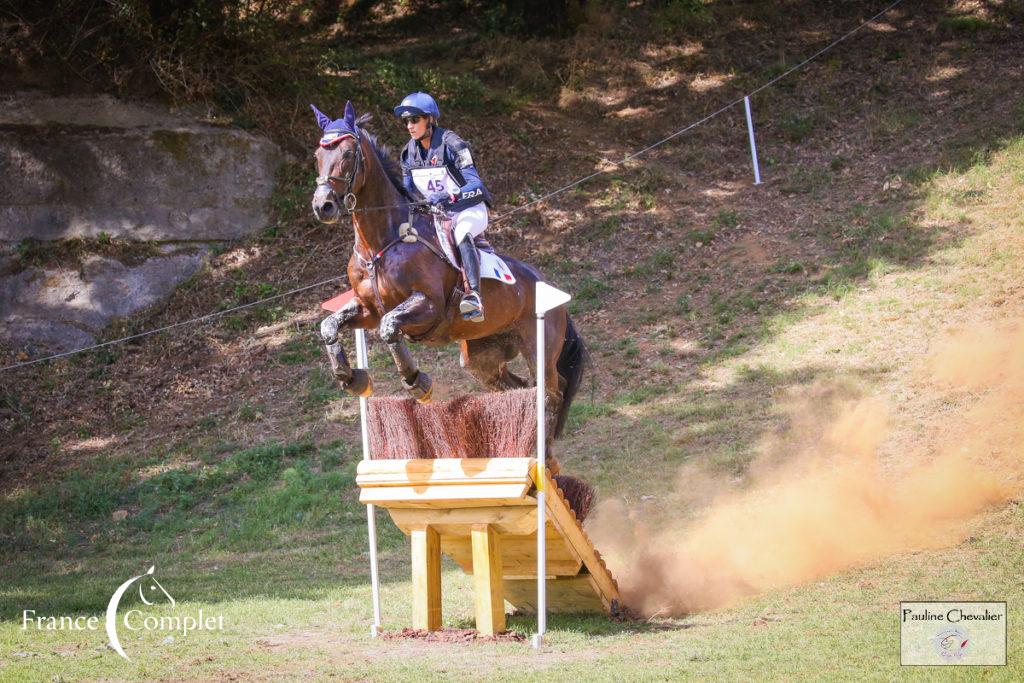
pixel 821 498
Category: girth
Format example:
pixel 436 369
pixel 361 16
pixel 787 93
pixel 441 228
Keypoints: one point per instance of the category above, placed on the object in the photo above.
pixel 407 233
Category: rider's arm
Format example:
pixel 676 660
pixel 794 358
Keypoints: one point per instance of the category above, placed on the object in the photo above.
pixel 473 182
pixel 407 183
pixel 463 160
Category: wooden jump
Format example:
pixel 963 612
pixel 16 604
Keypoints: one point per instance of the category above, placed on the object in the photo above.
pixel 482 513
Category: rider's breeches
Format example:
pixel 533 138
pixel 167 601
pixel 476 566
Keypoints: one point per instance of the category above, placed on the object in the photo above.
pixel 470 221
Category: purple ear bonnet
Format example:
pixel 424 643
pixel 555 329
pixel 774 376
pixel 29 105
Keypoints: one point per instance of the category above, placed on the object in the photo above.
pixel 338 129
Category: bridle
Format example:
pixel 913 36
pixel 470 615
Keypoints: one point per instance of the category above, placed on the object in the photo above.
pixel 349 179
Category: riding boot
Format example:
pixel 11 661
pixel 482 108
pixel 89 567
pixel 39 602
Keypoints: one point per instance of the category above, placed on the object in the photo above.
pixel 471 307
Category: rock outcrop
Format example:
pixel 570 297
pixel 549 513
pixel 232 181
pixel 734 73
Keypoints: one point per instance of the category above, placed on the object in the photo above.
pixel 96 167
pixel 79 167
pixel 64 309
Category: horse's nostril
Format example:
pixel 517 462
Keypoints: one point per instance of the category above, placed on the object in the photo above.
pixel 327 208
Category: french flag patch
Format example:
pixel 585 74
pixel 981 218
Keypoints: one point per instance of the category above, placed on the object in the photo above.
pixel 493 267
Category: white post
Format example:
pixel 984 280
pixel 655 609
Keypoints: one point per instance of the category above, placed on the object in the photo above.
pixel 547 298
pixel 362 362
pixel 542 563
pixel 753 144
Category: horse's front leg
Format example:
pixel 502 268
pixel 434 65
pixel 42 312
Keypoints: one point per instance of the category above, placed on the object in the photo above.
pixel 352 315
pixel 416 310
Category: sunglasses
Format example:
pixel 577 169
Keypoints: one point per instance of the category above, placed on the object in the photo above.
pixel 411 119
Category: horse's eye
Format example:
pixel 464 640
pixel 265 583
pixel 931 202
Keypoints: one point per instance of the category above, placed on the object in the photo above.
pixel 347 154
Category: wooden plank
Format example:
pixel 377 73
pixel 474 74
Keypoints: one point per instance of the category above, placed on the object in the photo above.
pixel 447 467
pixel 459 521
pixel 426 579
pixel 424 479
pixel 519 554
pixel 565 595
pixel 487 588
pixel 482 495
pixel 559 514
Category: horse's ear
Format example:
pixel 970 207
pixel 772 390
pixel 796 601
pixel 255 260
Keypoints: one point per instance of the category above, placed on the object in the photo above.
pixel 322 119
pixel 350 114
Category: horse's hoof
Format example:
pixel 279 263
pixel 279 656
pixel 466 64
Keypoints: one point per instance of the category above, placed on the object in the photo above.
pixel 421 388
pixel 360 385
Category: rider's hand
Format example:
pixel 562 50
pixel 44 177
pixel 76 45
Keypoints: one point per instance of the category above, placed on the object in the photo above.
pixel 439 198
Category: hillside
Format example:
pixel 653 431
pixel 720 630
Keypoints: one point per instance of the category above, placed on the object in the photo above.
pixel 776 368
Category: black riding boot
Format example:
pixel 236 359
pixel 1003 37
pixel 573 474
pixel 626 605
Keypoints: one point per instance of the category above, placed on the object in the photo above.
pixel 471 307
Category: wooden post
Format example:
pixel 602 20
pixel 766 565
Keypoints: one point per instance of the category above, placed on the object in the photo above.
pixel 426 579
pixel 490 598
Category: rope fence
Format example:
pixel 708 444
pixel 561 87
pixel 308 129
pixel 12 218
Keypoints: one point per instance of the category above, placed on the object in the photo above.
pixel 744 99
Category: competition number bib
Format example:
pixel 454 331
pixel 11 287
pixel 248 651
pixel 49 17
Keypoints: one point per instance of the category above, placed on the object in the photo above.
pixel 434 179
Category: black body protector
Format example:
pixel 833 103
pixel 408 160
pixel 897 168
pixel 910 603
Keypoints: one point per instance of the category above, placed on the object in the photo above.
pixel 447 165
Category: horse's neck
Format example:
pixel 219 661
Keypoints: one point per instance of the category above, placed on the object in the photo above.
pixel 378 227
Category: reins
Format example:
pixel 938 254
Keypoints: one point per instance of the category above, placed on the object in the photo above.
pixel 406 233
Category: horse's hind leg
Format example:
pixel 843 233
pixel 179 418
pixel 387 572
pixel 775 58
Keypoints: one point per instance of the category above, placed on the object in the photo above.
pixel 487 360
pixel 554 383
pixel 354 381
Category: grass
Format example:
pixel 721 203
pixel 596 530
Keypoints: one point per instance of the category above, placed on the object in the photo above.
pixel 271 536
pixel 965 25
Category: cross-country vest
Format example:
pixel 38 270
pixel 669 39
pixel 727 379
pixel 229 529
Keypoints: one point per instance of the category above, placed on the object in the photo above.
pixel 446 166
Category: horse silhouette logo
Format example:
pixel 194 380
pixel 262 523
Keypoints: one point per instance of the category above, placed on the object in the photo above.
pixel 149 585
pixel 951 643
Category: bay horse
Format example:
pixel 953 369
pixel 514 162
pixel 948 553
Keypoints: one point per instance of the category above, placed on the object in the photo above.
pixel 408 291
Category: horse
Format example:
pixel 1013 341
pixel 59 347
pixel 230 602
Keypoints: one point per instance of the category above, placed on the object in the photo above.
pixel 406 289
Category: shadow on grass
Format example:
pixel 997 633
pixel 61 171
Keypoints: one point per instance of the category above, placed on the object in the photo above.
pixel 278 520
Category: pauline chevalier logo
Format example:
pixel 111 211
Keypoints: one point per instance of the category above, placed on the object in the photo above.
pixel 953 633
pixel 951 643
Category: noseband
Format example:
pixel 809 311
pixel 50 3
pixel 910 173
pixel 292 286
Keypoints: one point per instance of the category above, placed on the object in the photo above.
pixel 349 180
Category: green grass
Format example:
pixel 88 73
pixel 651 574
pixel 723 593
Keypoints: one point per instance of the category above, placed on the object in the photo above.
pixel 590 293
pixel 965 25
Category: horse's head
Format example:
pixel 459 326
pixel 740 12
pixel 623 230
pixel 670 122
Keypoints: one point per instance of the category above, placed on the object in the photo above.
pixel 339 163
pixel 150 587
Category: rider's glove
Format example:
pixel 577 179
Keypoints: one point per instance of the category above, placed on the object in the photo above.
pixel 441 199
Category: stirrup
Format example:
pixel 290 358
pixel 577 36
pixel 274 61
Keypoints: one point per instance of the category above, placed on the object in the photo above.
pixel 471 307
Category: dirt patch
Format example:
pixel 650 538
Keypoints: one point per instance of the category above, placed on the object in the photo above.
pixel 452 635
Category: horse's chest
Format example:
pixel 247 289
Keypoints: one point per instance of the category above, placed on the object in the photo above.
pixel 376 291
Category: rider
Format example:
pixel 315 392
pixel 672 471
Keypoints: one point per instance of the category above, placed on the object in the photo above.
pixel 437 163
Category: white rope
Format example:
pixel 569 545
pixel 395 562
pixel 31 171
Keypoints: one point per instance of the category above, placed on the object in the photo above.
pixel 208 316
pixel 517 209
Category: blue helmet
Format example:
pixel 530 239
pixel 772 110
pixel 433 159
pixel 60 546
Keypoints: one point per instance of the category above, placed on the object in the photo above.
pixel 418 104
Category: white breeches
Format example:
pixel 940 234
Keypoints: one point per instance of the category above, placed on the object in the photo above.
pixel 471 221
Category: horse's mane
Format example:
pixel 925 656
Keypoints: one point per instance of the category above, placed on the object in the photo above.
pixel 391 167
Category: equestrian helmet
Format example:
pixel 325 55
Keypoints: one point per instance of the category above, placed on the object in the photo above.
pixel 418 104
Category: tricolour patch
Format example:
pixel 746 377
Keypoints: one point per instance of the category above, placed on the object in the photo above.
pixel 333 137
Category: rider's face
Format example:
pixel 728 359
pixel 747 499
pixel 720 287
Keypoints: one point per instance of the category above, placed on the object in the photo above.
pixel 417 126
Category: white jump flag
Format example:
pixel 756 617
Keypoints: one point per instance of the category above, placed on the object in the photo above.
pixel 547 298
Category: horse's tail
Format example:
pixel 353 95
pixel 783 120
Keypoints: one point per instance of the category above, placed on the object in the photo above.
pixel 570 365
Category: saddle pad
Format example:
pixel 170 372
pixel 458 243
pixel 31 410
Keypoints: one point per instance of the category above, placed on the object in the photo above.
pixel 492 266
